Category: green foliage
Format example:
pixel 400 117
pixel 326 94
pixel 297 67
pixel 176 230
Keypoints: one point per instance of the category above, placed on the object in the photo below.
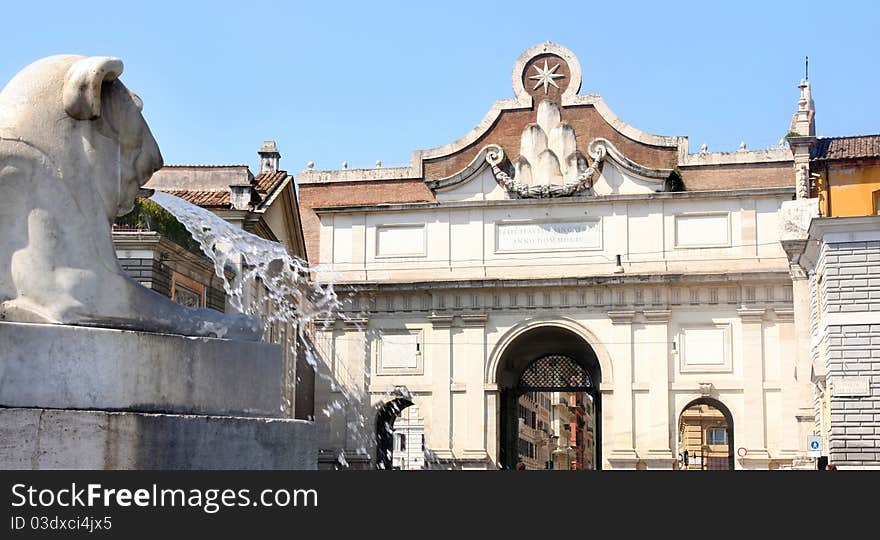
pixel 674 182
pixel 791 134
pixel 147 215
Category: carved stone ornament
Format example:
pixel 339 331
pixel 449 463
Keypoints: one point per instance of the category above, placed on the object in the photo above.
pixel 803 181
pixel 549 164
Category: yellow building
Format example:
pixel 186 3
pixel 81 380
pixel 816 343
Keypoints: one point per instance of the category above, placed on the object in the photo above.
pixel 847 173
pixel 704 442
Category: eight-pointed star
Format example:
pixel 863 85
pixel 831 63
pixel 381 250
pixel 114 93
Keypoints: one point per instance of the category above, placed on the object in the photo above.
pixel 546 76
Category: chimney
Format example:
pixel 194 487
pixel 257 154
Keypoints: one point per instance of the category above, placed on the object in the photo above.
pixel 240 196
pixel 270 158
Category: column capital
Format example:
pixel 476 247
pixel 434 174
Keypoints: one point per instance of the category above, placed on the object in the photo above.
pixel 474 319
pixel 440 321
pixel 621 317
pixel 324 324
pixel 355 324
pixel 784 315
pixel 657 316
pixel 751 315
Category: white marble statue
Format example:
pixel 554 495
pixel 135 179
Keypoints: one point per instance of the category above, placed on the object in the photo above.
pixel 74 152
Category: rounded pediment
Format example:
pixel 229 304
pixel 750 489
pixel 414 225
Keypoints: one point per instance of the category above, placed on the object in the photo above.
pixel 547 71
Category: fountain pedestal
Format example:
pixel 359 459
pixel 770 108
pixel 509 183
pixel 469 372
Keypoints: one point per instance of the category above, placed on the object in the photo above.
pixel 94 398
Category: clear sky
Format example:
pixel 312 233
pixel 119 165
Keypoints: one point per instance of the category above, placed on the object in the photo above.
pixel 361 81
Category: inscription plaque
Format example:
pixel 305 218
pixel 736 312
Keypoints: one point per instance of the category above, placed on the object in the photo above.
pixel 850 386
pixel 548 236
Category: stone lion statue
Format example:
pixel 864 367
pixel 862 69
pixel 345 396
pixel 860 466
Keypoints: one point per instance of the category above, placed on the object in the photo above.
pixel 74 153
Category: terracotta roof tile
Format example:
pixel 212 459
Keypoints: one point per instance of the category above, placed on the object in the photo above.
pixel 264 184
pixel 859 146
pixel 203 198
pixel 267 182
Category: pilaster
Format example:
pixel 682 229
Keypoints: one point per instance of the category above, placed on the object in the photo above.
pixel 753 420
pixel 473 337
pixel 439 347
pixel 657 336
pixel 623 454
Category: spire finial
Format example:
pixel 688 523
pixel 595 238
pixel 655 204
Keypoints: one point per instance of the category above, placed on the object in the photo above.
pixel 806 68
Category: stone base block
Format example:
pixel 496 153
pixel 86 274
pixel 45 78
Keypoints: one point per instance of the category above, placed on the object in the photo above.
pixel 81 439
pixel 75 367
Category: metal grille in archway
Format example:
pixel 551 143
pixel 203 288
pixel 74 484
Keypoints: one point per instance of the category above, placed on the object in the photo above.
pixel 554 372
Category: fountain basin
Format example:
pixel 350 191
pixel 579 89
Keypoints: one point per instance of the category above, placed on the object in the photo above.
pixel 74 367
pixel 72 439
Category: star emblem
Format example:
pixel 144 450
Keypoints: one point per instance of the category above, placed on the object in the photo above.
pixel 546 76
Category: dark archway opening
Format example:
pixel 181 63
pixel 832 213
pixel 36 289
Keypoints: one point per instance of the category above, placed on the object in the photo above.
pixel 706 436
pixel 385 417
pixel 550 407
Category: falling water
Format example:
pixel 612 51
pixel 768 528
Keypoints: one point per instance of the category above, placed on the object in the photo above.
pixel 267 282
pixel 254 261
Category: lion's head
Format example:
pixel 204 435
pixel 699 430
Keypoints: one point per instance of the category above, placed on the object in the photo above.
pixel 97 119
pixel 74 152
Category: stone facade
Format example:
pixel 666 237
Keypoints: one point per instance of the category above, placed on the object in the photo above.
pixel 493 253
pixel 155 262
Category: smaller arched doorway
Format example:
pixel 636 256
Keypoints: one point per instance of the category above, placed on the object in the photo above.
pixel 387 414
pixel 705 436
pixel 550 404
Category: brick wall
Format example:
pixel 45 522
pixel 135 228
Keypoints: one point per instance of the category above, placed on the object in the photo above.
pixel 850 283
pixel 587 123
pixel 758 175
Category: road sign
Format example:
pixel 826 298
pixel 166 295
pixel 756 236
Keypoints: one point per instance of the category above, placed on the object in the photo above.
pixel 814 445
pixel 742 451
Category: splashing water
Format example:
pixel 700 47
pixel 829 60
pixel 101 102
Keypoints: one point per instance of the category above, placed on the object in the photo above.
pixel 253 261
pixel 270 283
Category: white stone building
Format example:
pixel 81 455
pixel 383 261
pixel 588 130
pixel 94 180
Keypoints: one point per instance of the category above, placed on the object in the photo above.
pixel 557 248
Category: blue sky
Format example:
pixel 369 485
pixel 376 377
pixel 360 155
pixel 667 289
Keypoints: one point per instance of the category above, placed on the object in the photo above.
pixel 361 81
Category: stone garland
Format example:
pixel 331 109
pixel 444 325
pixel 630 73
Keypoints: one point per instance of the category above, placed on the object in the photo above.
pixel 495 156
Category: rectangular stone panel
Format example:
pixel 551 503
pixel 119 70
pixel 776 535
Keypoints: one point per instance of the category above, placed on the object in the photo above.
pixel 702 230
pixel 705 348
pixel 400 351
pixel 400 240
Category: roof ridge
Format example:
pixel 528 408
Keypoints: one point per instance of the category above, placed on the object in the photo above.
pixel 211 190
pixel 227 166
pixel 866 135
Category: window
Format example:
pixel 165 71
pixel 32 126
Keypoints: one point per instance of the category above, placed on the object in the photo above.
pixel 186 291
pixel 716 436
pixel 423 442
pixel 401 442
pixel 526 449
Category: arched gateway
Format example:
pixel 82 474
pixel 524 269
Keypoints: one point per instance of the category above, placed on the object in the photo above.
pixel 550 405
